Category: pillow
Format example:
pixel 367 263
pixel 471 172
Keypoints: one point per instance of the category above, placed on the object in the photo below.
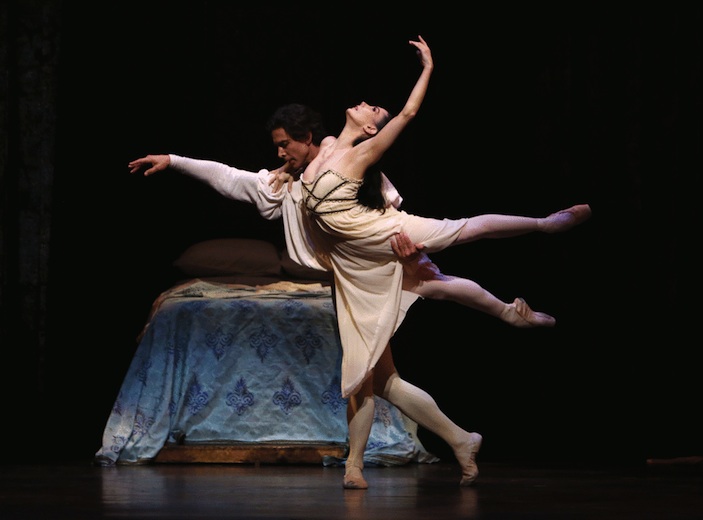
pixel 227 256
pixel 296 270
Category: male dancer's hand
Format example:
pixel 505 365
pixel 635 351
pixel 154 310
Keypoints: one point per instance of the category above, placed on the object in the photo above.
pixel 156 163
pixel 415 262
pixel 280 177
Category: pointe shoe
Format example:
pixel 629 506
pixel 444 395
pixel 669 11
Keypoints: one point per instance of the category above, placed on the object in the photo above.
pixel 567 218
pixel 522 316
pixel 353 479
pixel 469 469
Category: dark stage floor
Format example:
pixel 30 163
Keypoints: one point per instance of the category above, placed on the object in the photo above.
pixel 417 491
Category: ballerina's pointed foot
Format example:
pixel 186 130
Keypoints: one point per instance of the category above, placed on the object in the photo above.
pixel 467 459
pixel 519 314
pixel 567 218
pixel 354 479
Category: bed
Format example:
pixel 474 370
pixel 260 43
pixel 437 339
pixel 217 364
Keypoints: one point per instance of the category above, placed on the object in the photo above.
pixel 240 362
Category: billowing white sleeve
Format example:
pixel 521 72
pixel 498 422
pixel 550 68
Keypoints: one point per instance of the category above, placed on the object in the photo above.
pixel 233 183
pixel 390 192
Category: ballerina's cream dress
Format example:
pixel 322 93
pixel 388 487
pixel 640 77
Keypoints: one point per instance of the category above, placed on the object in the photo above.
pixel 355 240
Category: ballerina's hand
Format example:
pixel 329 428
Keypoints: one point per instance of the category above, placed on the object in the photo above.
pixel 423 51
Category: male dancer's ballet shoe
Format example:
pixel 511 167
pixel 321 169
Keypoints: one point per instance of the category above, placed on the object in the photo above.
pixel 520 315
pixel 567 218
pixel 467 460
pixel 353 479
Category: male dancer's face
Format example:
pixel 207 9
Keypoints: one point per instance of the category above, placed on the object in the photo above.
pixel 297 153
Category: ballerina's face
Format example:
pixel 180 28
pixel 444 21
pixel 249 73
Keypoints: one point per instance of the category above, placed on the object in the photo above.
pixel 365 114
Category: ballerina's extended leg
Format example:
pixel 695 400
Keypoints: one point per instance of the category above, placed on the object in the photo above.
pixel 519 314
pixel 566 219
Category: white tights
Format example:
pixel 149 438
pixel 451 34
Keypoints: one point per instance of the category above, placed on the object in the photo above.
pixel 414 402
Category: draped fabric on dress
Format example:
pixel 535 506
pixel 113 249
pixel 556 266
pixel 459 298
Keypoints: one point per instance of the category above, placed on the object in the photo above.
pixel 368 275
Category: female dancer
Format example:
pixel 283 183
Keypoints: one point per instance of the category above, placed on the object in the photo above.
pixel 351 228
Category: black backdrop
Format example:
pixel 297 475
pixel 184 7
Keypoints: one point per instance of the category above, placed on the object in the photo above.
pixel 529 110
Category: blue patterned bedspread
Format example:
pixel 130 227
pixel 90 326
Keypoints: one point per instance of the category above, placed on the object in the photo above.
pixel 222 363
